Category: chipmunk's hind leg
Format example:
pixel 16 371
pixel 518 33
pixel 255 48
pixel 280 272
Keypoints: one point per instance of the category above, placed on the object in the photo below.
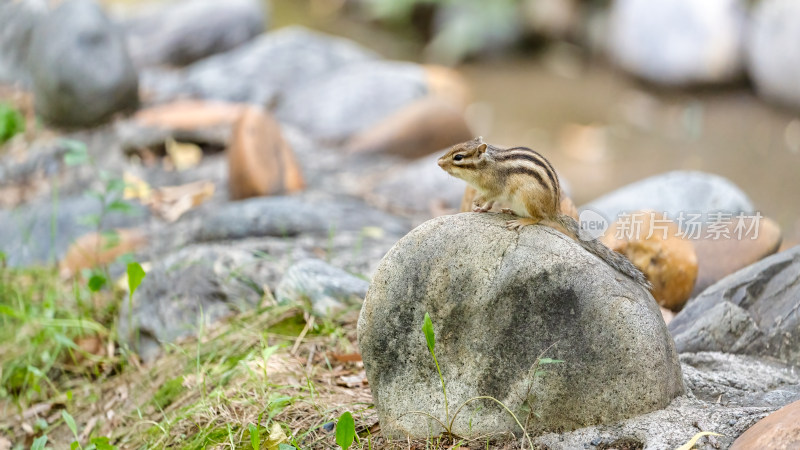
pixel 518 224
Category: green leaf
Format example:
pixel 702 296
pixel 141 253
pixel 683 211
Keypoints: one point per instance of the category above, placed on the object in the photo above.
pixel 76 154
pixel 96 282
pixel 345 430
pixel 39 443
pixel 11 122
pixel 70 422
pixel 74 445
pixel 135 276
pixel 255 436
pixel 427 328
pixel 102 443
pixel 550 361
pixel 115 185
pixel 286 447
pixel 121 206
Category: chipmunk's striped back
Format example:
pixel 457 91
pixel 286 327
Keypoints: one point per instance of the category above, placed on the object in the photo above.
pixel 529 163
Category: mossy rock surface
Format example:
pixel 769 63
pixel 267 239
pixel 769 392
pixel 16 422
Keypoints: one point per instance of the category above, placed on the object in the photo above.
pixel 500 299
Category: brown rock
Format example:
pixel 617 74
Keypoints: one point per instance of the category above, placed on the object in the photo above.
pixel 420 128
pixel 778 431
pixel 664 256
pixel 260 161
pixel 447 84
pixel 718 258
pixel 92 250
pixel 190 114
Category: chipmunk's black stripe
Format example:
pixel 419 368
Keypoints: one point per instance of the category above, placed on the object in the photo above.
pixel 540 161
pixel 526 171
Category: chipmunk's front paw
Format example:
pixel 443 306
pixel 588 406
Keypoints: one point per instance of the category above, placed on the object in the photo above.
pixel 518 224
pixel 482 207
pixel 507 211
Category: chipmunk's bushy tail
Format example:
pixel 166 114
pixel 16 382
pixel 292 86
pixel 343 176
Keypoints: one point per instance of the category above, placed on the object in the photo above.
pixel 616 260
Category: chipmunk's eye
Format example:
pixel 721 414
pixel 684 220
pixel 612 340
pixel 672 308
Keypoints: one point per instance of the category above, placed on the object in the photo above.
pixel 458 157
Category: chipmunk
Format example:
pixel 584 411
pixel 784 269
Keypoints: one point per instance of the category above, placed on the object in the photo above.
pixel 526 181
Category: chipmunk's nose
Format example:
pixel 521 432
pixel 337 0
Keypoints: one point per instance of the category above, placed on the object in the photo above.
pixel 441 162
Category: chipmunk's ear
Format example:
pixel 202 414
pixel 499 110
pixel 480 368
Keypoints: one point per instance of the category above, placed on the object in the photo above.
pixel 481 149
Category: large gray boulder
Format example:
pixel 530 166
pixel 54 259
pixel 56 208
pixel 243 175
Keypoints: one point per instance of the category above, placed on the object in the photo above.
pixel 674 193
pixel 498 300
pixel 773 59
pixel 753 311
pixel 80 67
pixel 679 42
pixel 190 30
pixel 351 99
pixel 257 71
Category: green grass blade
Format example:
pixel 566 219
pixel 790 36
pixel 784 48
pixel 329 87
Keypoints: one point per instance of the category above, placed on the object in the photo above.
pixel 255 438
pixel 70 422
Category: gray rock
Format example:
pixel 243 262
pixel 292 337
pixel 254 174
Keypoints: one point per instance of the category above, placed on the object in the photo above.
pixel 17 20
pixel 256 71
pixel 673 193
pixel 285 217
pixel 423 185
pixel 498 300
pixel 41 232
pixel 679 42
pixel 328 289
pixel 185 32
pixel 351 99
pixel 81 70
pixel 753 311
pixel 729 394
pixel 773 61
pixel 739 380
pixel 189 289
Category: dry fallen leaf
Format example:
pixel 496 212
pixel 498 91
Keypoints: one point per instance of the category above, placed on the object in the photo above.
pixel 171 202
pixel 135 188
pixel 276 437
pixel 346 357
pixel 184 155
pixel 5 444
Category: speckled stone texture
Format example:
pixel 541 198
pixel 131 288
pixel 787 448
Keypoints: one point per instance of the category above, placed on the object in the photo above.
pixel 499 299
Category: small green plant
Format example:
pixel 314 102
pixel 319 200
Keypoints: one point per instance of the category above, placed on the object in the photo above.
pixel 345 430
pixel 447 424
pixel 11 122
pixel 430 339
pixel 111 199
